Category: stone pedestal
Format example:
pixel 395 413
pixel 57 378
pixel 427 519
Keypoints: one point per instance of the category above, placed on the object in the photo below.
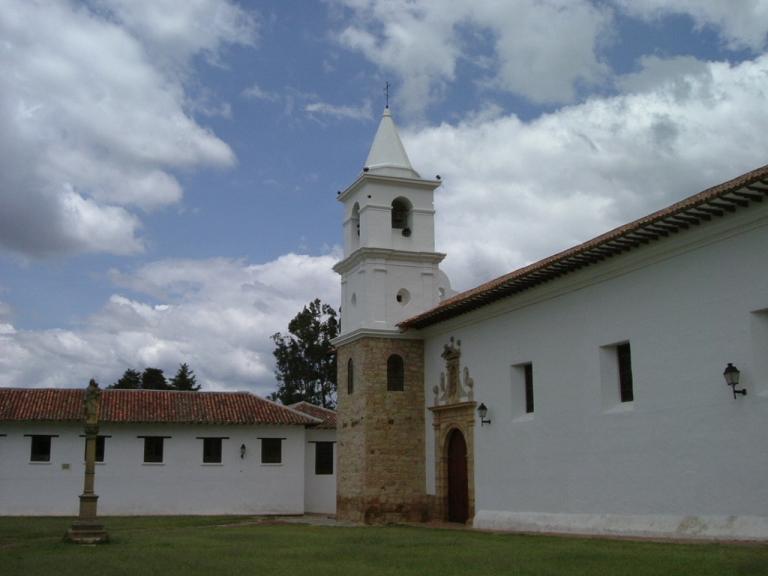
pixel 87 532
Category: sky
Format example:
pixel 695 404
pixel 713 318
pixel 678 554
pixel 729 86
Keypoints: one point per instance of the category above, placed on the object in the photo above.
pixel 169 168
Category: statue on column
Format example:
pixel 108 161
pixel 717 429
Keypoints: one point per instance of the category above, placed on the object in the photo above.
pixel 87 529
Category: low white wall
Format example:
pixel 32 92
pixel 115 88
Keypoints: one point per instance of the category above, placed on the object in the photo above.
pixel 319 489
pixel 656 526
pixel 182 484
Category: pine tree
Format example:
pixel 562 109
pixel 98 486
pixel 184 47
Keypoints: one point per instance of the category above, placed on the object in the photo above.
pixel 306 362
pixel 185 379
pixel 154 379
pixel 130 380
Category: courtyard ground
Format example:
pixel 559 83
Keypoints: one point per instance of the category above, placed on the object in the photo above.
pixel 225 545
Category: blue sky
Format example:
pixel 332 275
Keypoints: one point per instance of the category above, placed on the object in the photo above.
pixel 169 169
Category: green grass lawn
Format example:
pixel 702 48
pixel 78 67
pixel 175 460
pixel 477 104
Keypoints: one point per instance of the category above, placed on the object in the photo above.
pixel 224 545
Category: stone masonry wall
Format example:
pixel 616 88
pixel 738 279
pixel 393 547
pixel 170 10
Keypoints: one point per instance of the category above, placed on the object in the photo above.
pixel 381 475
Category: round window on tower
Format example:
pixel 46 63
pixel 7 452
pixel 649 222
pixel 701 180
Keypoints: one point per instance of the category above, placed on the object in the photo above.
pixel 403 296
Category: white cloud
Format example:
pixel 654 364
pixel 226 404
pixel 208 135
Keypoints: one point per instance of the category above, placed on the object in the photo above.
pixel 93 120
pixel 175 31
pixel 742 24
pixel 362 112
pixel 217 315
pixel 255 92
pixel 655 71
pixel 542 50
pixel 517 191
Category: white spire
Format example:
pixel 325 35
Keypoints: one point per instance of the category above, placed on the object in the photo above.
pixel 387 156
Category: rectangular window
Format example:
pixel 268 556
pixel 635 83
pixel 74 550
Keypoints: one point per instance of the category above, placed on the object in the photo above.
pixel 323 458
pixel 153 449
pixel 212 450
pixel 624 359
pixel 100 442
pixel 271 450
pixel 521 391
pixel 40 450
pixel 759 328
pixel 528 371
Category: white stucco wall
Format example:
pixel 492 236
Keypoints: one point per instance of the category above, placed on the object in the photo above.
pixel 685 457
pixel 182 484
pixel 319 489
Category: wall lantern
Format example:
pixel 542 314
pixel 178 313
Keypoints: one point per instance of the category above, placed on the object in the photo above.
pixel 242 451
pixel 731 376
pixel 482 411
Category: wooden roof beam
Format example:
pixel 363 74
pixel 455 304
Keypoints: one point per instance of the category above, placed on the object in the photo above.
pixel 664 226
pixel 724 205
pixel 738 201
pixel 755 197
pixel 710 210
pixel 644 234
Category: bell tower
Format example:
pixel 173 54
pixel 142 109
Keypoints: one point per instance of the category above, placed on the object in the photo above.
pixel 389 273
pixel 390 269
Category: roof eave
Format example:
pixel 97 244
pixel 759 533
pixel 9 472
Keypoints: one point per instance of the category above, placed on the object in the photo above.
pixel 713 202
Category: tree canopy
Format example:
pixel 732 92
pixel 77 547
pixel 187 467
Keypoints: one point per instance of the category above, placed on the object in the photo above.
pixel 130 380
pixel 154 379
pixel 306 361
pixel 185 379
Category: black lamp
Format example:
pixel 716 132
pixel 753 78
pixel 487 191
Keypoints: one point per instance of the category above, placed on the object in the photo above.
pixel 731 375
pixel 482 411
pixel 242 451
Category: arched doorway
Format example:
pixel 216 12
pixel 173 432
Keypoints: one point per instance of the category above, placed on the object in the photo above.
pixel 458 485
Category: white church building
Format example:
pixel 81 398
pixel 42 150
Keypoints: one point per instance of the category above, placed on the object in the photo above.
pixel 582 393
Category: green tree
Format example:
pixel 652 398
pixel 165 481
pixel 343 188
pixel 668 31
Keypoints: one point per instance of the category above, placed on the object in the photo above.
pixel 185 379
pixel 154 379
pixel 306 361
pixel 130 380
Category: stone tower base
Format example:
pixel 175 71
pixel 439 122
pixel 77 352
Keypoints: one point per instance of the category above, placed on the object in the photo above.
pixel 381 446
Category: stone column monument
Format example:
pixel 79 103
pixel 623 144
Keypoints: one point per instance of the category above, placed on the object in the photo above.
pixel 87 529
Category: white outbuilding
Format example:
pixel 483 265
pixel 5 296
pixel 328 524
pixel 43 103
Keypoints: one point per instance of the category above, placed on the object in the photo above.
pixel 166 452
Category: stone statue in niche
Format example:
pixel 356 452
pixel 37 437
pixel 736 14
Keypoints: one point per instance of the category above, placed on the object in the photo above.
pixel 451 389
pixel 469 384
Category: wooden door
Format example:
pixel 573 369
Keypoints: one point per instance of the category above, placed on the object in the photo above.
pixel 458 486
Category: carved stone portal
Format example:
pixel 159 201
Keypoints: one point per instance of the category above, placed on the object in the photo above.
pixel 454 409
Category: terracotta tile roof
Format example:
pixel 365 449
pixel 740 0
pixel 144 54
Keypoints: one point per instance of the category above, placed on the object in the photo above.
pixel 714 202
pixel 147 406
pixel 325 414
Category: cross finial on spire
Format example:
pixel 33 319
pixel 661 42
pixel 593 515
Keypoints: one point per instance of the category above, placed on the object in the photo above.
pixel 386 92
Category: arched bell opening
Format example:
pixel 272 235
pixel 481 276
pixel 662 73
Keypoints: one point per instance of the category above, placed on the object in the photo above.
pixel 401 215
